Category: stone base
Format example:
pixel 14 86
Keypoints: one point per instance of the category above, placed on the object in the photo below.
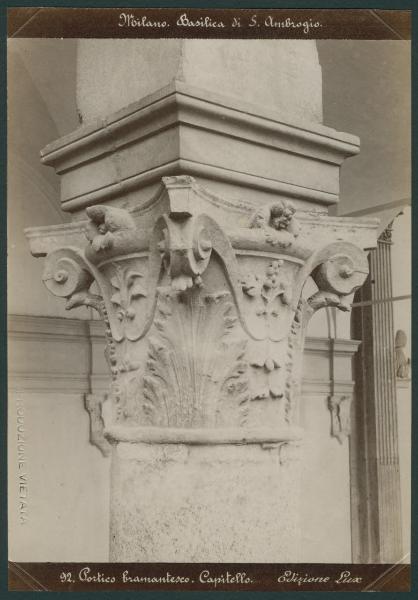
pixel 204 503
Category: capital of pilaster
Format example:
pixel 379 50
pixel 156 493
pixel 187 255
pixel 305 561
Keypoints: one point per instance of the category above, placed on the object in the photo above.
pixel 204 311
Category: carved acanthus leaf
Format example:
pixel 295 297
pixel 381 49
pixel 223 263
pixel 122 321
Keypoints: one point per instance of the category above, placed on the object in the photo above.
pixel 275 284
pixel 84 298
pixel 125 282
pixel 196 372
pixel 126 393
pixel 386 235
pixel 269 301
pixel 326 299
pixel 295 342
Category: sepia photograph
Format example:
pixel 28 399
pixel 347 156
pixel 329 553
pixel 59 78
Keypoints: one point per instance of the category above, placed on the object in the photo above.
pixel 209 300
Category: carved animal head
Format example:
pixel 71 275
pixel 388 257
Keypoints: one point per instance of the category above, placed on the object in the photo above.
pixel 281 215
pixel 108 218
pixel 105 223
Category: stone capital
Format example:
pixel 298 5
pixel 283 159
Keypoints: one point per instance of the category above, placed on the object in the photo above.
pixel 204 312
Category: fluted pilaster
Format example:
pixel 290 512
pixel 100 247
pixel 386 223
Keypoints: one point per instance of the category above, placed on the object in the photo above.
pixel 376 440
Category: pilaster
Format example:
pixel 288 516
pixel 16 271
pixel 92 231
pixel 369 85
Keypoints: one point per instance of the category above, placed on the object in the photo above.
pixel 375 444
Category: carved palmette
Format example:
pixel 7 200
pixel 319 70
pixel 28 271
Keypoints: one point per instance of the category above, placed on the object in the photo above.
pixel 188 349
pixel 196 373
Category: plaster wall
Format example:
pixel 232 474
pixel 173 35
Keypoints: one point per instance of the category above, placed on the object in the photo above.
pixel 325 493
pixel 58 500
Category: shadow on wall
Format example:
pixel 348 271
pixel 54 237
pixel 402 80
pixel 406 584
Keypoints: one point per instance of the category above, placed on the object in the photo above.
pixel 41 100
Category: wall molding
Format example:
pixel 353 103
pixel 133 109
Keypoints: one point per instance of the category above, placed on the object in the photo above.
pixel 48 383
pixel 27 326
pixel 88 335
pixel 40 359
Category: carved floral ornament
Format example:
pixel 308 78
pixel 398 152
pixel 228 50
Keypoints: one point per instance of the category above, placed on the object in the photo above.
pixel 194 332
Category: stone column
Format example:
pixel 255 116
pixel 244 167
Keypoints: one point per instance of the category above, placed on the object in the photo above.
pixel 375 444
pixel 204 216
